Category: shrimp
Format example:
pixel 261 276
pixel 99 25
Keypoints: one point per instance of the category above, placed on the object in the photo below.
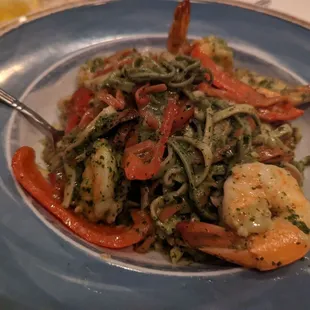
pixel 98 185
pixel 178 31
pixel 266 219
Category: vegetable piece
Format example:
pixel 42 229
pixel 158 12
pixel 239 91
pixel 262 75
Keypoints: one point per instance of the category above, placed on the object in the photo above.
pixel 116 61
pixel 88 116
pixel 222 80
pixel 78 106
pixel 143 151
pixel 104 71
pixel 272 109
pixel 185 113
pixel 119 64
pixel 279 112
pixel 117 103
pixel 135 167
pixel 141 147
pixel 149 118
pixel 272 155
pixel 219 93
pixel 198 234
pixel 168 211
pixel 120 97
pixel 72 122
pixel 80 100
pixel 58 185
pixel 146 244
pixel 143 98
pixel 30 178
pixel 142 94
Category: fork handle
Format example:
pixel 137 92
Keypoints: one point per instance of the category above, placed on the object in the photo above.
pixel 31 115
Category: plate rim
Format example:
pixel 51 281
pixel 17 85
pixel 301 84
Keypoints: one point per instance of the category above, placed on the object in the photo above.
pixel 49 10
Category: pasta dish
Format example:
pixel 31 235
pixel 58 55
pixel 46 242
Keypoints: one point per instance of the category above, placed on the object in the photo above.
pixel 181 152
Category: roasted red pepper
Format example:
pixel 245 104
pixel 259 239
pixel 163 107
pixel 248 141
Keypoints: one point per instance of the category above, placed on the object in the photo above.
pixel 135 167
pixel 77 107
pixel 269 109
pixel 199 234
pixel 185 113
pixel 117 102
pixel 30 178
pixel 279 112
pixel 143 99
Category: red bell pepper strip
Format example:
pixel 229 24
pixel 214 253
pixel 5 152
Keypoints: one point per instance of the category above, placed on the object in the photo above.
pixel 185 113
pixel 135 167
pixel 149 118
pixel 242 92
pixel 30 178
pixel 146 244
pixel 142 94
pixel 118 65
pixel 117 102
pixel 168 211
pixel 58 186
pixel 80 101
pixel 219 93
pixel 199 234
pixel 143 150
pixel 232 89
pixel 279 112
pixel 77 107
pixel 72 122
pixel 272 155
pixel 104 71
pixel 143 99
pixel 119 55
pixel 142 147
pixel 116 61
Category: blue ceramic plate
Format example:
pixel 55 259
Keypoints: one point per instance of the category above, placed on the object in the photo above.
pixel 45 266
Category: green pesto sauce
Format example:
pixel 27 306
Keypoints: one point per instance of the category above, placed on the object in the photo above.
pixel 294 219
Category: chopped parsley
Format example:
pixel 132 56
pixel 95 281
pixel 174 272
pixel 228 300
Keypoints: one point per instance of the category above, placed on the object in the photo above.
pixel 294 219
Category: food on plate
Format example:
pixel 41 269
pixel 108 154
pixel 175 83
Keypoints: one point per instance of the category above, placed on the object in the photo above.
pixel 266 219
pixel 178 151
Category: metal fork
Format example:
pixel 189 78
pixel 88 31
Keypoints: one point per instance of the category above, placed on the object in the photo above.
pixel 49 131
